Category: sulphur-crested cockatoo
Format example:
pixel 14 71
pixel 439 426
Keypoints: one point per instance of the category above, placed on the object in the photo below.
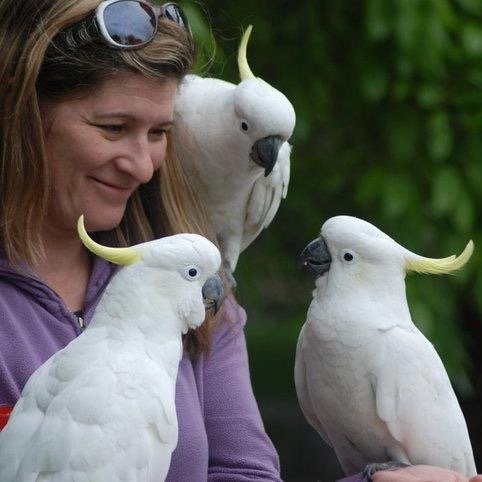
pixel 367 379
pixel 102 409
pixel 232 141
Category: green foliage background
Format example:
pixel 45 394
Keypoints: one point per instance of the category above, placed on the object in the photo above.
pixel 388 96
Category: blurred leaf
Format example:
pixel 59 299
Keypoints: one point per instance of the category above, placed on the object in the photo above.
pixel 478 291
pixel 401 90
pixel 374 83
pixel 446 188
pixel 471 6
pixel 474 175
pixel 407 25
pixel 398 194
pixel 474 76
pixel 210 53
pixel 403 130
pixel 430 95
pixel 464 213
pixel 378 19
pixel 440 140
pixel 265 359
pixel 472 39
pixel 369 186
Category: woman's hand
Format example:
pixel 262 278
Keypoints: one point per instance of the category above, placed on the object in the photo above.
pixel 422 473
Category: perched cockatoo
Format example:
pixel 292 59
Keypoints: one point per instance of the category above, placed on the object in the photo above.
pixel 367 379
pixel 232 141
pixel 103 408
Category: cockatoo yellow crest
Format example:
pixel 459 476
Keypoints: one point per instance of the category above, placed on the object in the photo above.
pixel 122 256
pixel 447 265
pixel 244 69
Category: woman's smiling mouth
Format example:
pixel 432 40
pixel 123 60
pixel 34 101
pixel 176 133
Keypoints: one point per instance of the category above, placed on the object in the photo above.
pixel 110 187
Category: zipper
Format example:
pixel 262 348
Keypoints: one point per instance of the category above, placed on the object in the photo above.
pixel 79 316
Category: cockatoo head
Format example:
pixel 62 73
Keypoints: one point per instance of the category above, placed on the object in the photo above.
pixel 265 116
pixel 180 268
pixel 352 252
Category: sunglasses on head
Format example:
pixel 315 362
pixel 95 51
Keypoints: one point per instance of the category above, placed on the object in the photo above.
pixel 130 24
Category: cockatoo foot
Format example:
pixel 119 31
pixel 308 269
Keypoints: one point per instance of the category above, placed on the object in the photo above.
pixel 370 469
pixel 230 277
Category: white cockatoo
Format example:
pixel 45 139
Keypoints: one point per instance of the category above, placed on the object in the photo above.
pixel 232 141
pixel 366 378
pixel 103 408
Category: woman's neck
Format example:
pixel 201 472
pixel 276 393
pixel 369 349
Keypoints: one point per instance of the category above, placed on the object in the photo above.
pixel 66 267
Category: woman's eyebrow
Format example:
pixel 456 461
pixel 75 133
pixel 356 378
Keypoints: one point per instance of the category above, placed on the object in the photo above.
pixel 125 115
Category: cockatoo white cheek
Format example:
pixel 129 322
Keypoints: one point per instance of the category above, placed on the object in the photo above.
pixel 191 311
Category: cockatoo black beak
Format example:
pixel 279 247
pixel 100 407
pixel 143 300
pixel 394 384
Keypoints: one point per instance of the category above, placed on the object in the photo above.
pixel 316 257
pixel 265 152
pixel 213 293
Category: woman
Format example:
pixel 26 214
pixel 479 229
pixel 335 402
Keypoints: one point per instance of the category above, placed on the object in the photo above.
pixel 86 102
pixel 84 128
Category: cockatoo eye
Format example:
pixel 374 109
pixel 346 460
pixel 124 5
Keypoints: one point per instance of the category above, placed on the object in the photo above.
pixel 191 273
pixel 244 126
pixel 348 256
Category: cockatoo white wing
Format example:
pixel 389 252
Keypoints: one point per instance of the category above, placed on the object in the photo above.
pixel 28 437
pixel 68 423
pixel 416 400
pixel 203 123
pixel 303 388
pixel 266 197
pixel 24 421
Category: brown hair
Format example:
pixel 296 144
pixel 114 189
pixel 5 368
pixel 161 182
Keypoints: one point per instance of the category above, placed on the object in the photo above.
pixel 42 61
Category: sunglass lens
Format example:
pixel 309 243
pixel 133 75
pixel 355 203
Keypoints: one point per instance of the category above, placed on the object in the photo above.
pixel 174 12
pixel 130 22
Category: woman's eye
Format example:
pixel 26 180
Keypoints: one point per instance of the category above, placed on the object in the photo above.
pixel 112 128
pixel 158 132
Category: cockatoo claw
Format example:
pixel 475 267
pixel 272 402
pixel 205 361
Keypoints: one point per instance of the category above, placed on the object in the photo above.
pixel 371 469
pixel 232 283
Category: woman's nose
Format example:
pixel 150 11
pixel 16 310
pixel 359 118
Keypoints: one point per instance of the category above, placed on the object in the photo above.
pixel 141 161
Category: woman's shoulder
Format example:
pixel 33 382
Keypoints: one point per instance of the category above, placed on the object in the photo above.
pixel 233 312
pixel 14 290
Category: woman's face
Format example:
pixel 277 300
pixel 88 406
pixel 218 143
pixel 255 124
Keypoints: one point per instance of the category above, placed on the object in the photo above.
pixel 101 147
